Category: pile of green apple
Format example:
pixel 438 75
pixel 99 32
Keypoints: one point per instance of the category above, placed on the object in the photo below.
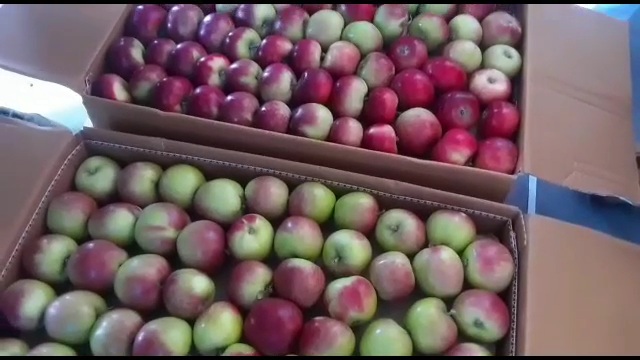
pixel 145 261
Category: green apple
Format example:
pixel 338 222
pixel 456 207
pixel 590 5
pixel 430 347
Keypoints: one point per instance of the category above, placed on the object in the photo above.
pixel 114 332
pixel 13 347
pixel 454 229
pixel 384 337
pixel 465 27
pixel 356 211
pixel 298 237
pixel 114 222
pixel 432 29
pixel 313 200
pixel 325 27
pixel 240 349
pixel 503 58
pixel 179 183
pixel 439 271
pixel 97 177
pixel 217 328
pixel 70 317
pixel 392 20
pixel 165 336
pixel 52 349
pixel 250 238
pixel 46 257
pixel 400 230
pixel 464 52
pixel 364 35
pixel 346 252
pixel 220 200
pixel 444 10
pixel 432 329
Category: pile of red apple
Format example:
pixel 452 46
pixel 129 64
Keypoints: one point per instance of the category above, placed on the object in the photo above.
pixel 431 81
pixel 144 261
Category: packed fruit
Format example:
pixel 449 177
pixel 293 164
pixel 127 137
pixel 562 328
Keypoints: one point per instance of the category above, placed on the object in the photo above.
pixel 432 81
pixel 140 260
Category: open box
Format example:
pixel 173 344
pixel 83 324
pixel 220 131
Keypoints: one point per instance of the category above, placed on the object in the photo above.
pixel 576 128
pixel 56 155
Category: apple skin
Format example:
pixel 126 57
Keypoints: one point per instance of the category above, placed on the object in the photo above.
pixel 238 108
pixel 468 349
pixel 346 131
pixel 114 332
pixel 414 89
pixel 51 349
pixel 324 336
pixel 114 222
pixel 112 87
pixel 213 29
pixel 380 137
pixel 400 230
pixel 273 49
pixel 205 102
pixel 210 70
pixel 447 11
pixel 490 85
pixel 453 229
pixel 137 183
pixel 249 282
pixel 138 281
pixel 145 22
pixel 325 26
pixel 458 110
pixel 298 237
pixel 290 23
pixel 24 302
pixel 377 70
pixel 346 252
pixel 347 96
pixel 226 8
pixel 256 16
pixel 392 21
pixel 158 227
pixel 94 265
pixel 418 130
pixel 313 200
pixel 392 276
pixel 465 27
pixel 220 200
pixel 243 75
pixel 186 293
pixel 497 154
pixel 45 258
pixel 272 116
pixel 277 83
pixel 456 147
pixel 306 54
pixel 267 196
pixel 408 52
pixel 311 121
pixel 352 300
pixel 380 106
pixel 503 58
pixel 125 56
pixel 165 336
pixel 357 211
pixel 171 93
pixel 356 12
pixel 439 271
pixel 218 327
pixel 241 43
pixel 478 11
pixel 182 60
pixel 70 317
pixel 341 59
pixel 179 183
pixel 364 35
pixel 240 349
pixel 385 337
pixel 501 27
pixel 157 52
pixel 432 29
pixel 273 326
pixel 446 75
pixel 201 245
pixel 498 276
pixel 97 177
pixel 13 347
pixel 143 81
pixel 250 238
pixel 299 281
pixel 431 328
pixel 314 8
pixel 465 53
pixel 314 86
pixel 182 22
pixel 500 119
pixel 68 214
pixel 474 307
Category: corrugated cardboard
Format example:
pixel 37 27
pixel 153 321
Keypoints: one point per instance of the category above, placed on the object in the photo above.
pixel 576 102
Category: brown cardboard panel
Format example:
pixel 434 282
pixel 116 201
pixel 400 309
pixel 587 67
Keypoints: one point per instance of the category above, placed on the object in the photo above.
pixel 579 293
pixel 504 221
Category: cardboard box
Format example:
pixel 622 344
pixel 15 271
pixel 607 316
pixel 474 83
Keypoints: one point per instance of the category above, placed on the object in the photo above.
pixel 576 127
pixel 48 167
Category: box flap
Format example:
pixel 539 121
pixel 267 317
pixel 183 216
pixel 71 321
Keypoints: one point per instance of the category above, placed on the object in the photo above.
pixel 577 108
pixel 56 42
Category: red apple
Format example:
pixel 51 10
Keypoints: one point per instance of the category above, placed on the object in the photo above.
pixel 380 106
pixel 273 326
pixel 125 56
pixel 143 81
pixel 478 11
pixel 341 59
pixel 205 102
pixel 273 116
pixel 376 69
pixel 157 52
pixel 380 137
pixel 306 54
pixel 138 282
pixel 241 43
pixel 497 154
pixel 311 121
pixel 256 16
pixel 324 336
pixel 182 60
pixel 408 52
pixel 414 89
pixel 210 70
pixel 490 85
pixel 112 87
pixel 347 96
pixel 182 22
pixel 238 108
pixel 243 75
pixel 446 75
pixel 356 12
pixel 187 293
pixel 213 30
pixel 474 307
pixel 273 49
pixel 458 110
pixel 277 83
pixel 392 276
pixel 94 265
pixel 313 8
pixel 290 23
pixel 145 22
pixel 501 27
pixel 299 281
pixel 170 94
pixel 418 130
pixel 201 245
pixel 456 147
pixel 346 131
pixel 207 8
pixel 314 86
pixel 249 282
pixel 500 119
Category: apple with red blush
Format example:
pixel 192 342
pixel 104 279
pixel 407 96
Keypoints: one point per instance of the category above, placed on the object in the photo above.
pixel 414 89
pixel 392 21
pixel 499 119
pixel 430 28
pixel 380 106
pixel 478 11
pixel 311 121
pixel 182 22
pixel 313 86
pixel 125 56
pixel 347 96
pixel 273 326
pixel 306 54
pixel 273 49
pixel 490 85
pixel 392 276
pixel 241 43
pixel 408 52
pixel 376 69
pixel 145 22
pixel 255 16
pixel 500 27
pixel 380 137
pixel 238 108
pixel 446 75
pixel 290 22
pixel 457 147
pixel 277 83
pixel 210 70
pixel 249 282
pixel 417 130
pixel 458 110
pixel 356 12
pixel 273 116
pixel 214 29
pixel 205 102
pixel 112 87
pixel 157 52
pixel 341 59
pixel 300 281
pixel 314 8
pixel 182 60
pixel 202 245
pixel 171 93
pixel 497 154
pixel 346 131
pixel 242 75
